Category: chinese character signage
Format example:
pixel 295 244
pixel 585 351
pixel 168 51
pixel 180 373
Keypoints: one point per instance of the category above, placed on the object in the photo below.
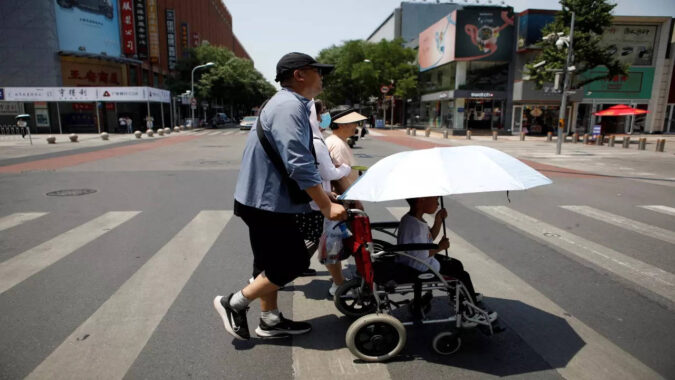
pixel 184 39
pixel 153 30
pixel 128 37
pixel 141 29
pixel 74 73
pixel 171 38
pixel 195 39
pixel 87 94
pixel 88 26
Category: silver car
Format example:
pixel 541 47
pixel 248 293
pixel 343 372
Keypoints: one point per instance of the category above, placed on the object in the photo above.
pixel 248 122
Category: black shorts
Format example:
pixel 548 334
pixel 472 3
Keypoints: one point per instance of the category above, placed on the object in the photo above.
pixel 277 244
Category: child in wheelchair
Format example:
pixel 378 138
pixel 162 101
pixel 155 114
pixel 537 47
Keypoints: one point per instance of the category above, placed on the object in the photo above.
pixel 413 229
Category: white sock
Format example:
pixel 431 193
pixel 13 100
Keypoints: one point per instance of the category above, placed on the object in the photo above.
pixel 271 317
pixel 238 301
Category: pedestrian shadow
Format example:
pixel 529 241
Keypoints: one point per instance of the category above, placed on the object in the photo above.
pixel 511 352
pixel 317 289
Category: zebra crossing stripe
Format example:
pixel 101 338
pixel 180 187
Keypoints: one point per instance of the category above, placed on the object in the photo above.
pixel 120 328
pixel 15 270
pixel 646 276
pixel 620 221
pixel 662 209
pixel 18 218
pixel 599 358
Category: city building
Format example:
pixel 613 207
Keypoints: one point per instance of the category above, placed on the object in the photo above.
pixel 465 61
pixel 102 43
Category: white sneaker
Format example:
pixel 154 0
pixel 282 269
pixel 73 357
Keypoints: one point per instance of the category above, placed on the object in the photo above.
pixel 332 289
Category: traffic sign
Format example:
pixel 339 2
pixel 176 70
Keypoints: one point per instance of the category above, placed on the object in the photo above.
pixel 193 101
pixel 384 89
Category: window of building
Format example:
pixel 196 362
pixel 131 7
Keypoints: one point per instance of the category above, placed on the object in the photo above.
pixel 155 80
pixel 133 75
pixel 146 80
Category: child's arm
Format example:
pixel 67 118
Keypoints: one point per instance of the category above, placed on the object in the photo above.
pixel 438 222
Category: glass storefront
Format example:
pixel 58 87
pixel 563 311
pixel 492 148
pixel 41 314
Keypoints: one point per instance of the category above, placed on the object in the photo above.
pixel 669 122
pixel 483 114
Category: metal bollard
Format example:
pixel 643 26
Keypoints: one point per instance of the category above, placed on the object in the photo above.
pixel 626 142
pixel 585 140
pixel 414 132
pixel 611 141
pixel 427 132
pixel 575 138
pixel 468 135
pixel 494 135
pixel 599 140
pixel 642 143
pixel 407 131
pixel 522 136
pixel 445 134
pixel 549 136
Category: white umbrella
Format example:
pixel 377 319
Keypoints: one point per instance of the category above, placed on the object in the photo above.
pixel 443 171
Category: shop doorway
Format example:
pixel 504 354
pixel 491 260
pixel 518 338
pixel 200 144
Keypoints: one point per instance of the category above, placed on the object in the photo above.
pixel 484 114
pixel 669 122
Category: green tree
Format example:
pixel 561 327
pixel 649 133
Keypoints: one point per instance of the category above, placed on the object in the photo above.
pixel 233 81
pixel 591 18
pixel 361 68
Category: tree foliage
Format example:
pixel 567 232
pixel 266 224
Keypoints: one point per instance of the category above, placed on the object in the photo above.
pixel 232 80
pixel 591 18
pixel 361 68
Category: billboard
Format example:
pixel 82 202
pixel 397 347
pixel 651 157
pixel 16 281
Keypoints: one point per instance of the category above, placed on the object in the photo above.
pixel 530 25
pixel 153 30
pixel 484 34
pixel 128 35
pixel 631 44
pixel 90 26
pixel 171 37
pixel 437 43
pixel 141 29
pixel 636 85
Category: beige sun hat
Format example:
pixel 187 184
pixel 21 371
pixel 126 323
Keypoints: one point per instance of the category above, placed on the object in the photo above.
pixel 347 116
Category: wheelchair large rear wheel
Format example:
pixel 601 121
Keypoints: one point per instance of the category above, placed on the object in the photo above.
pixel 353 300
pixel 376 337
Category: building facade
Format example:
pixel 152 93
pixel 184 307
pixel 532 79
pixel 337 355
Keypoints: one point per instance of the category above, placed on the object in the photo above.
pixel 94 43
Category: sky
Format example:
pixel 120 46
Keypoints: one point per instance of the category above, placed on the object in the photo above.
pixel 268 29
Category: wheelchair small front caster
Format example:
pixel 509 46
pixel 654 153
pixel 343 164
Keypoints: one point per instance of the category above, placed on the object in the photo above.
pixel 447 343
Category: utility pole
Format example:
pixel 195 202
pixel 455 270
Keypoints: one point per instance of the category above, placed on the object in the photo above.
pixel 566 83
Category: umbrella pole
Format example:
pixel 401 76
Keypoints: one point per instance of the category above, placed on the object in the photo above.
pixel 442 206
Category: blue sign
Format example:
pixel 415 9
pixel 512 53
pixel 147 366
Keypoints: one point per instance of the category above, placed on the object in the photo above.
pixel 90 26
pixel 379 123
pixel 596 130
pixel 2 94
pixel 460 109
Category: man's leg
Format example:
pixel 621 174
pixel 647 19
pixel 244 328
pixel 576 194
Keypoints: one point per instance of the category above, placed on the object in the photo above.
pixel 335 271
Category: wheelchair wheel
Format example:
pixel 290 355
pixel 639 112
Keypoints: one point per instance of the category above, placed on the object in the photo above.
pixel 447 343
pixel 352 301
pixel 376 337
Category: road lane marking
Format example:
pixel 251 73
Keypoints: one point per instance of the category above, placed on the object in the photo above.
pixel 15 270
pixel 620 221
pixel 121 327
pixel 646 276
pixel 325 364
pixel 18 218
pixel 598 358
pixel 662 209
pixel 230 133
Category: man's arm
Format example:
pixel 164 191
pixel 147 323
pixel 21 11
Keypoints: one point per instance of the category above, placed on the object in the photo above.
pixel 330 210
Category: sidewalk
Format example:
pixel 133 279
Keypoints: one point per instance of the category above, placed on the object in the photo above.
pixel 603 160
pixel 16 147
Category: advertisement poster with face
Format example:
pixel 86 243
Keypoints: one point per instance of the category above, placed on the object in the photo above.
pixel 484 34
pixel 437 43
pixel 90 26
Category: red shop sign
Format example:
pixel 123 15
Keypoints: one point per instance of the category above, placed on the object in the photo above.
pixel 128 37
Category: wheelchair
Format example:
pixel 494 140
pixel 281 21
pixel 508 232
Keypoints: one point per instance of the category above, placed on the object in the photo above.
pixel 376 335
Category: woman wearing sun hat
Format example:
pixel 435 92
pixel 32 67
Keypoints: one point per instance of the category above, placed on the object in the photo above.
pixel 343 126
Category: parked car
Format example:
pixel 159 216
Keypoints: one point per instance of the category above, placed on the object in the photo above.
pixel 219 119
pixel 248 122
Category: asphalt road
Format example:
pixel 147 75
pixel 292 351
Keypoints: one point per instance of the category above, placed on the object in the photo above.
pixel 118 283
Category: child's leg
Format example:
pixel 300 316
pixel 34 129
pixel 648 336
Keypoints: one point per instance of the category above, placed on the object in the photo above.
pixel 453 267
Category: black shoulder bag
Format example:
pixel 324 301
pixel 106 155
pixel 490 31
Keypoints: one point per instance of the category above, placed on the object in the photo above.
pixel 296 194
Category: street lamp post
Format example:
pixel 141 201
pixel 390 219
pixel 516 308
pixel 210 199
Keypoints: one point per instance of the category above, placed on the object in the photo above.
pixel 192 81
pixel 566 82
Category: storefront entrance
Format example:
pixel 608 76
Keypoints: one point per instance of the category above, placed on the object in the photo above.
pixel 536 119
pixel 610 124
pixel 483 114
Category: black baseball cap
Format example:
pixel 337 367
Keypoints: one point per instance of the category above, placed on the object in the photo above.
pixel 295 60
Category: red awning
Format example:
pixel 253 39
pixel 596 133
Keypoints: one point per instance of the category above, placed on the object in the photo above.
pixel 620 110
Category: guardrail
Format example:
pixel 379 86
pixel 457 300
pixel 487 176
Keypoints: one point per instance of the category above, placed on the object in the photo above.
pixel 13 132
